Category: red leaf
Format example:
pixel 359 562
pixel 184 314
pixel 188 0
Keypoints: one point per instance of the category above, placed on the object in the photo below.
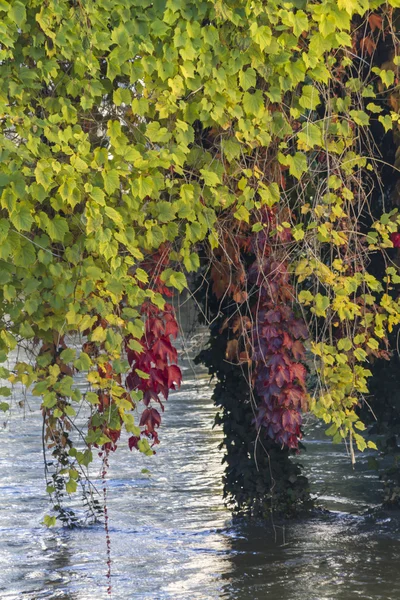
pixel 273 316
pixel 150 418
pixel 375 21
pixel 171 328
pixel 275 344
pixel 395 238
pixel 287 340
pixel 282 376
pixel 291 421
pixel 133 442
pixel 164 349
pixel 277 360
pixel 270 331
pixel 298 329
pixel 368 45
pixel 174 377
pixel 159 379
pixel 298 350
pixel 299 372
pixel 150 395
pixel 155 327
pixel 294 395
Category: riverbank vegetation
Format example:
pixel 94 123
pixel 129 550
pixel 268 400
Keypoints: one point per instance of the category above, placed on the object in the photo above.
pixel 251 147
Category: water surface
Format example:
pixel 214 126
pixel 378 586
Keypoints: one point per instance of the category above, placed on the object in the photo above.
pixel 171 536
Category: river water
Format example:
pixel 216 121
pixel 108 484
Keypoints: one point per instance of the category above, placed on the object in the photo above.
pixel 171 536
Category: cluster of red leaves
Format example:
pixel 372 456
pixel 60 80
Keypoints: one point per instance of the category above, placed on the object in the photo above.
pixel 280 376
pixel 156 360
pixel 274 345
pixel 368 43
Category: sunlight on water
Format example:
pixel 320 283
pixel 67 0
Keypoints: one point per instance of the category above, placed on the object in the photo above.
pixel 172 538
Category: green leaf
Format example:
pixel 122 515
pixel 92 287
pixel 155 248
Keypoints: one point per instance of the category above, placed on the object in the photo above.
pixel 4 229
pixel 373 344
pixel 231 148
pixel 210 178
pixel 242 214
pixel 71 486
pixel 253 104
pixel 57 228
pixel 158 134
pixel 17 13
pixel 360 117
pixel 44 174
pixel 247 79
pixel 69 411
pixel 154 237
pixel 25 254
pixel 387 76
pixel 83 363
pixel 321 303
pixel 297 163
pixel 332 430
pixel 310 135
pixel 26 331
pixel 141 275
pixel 360 354
pixel 145 186
pixel 92 397
pixel 174 279
pixel 68 355
pixel 310 98
pixel 98 335
pixel 142 374
pixel 345 344
pixel 114 215
pixel 135 346
pixel 374 108
pixel 350 6
pixel 305 297
pixel 360 425
pixel 386 122
pixel 98 195
pixel 166 211
pixel 262 35
pixel 192 262
pixel 21 218
pixel 122 96
pixel 49 521
pixel 111 180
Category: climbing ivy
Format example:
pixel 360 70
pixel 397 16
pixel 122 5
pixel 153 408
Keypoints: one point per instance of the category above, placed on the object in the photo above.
pixel 260 477
pixel 131 131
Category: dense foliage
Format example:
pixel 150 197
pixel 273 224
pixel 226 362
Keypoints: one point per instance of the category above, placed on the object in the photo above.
pixel 260 477
pixel 131 131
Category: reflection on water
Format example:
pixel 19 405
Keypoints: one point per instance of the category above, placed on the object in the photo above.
pixel 173 539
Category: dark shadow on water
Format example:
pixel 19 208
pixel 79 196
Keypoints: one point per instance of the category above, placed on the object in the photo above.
pixel 330 556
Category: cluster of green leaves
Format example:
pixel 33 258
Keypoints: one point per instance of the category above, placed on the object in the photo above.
pixel 129 126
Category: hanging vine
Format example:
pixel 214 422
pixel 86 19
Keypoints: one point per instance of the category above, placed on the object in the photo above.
pixel 133 132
